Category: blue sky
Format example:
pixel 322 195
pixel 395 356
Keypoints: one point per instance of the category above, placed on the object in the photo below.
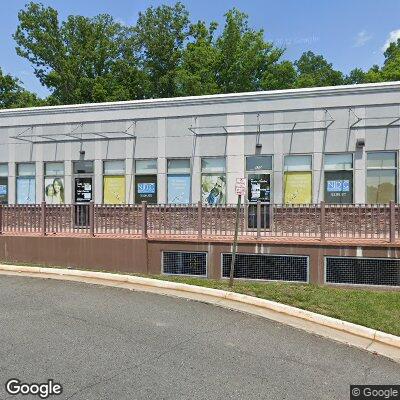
pixel 349 33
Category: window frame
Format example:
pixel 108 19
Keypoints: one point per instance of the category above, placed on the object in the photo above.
pixel 7 179
pixel 179 173
pixel 20 177
pixel 213 174
pixel 395 169
pixel 45 175
pixel 119 174
pixel 145 174
pixel 297 170
pixel 338 170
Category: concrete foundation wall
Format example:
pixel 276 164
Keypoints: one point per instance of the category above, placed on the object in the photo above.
pixel 144 256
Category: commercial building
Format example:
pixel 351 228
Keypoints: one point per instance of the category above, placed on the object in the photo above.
pixel 337 144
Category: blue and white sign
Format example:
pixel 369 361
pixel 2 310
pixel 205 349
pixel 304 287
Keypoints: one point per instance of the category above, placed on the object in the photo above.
pixel 178 189
pixel 338 186
pixel 146 188
pixel 26 190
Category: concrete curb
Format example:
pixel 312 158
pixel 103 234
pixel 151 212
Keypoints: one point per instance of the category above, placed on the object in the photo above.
pixel 375 339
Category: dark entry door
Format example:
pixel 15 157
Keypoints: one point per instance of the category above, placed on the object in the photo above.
pixel 258 189
pixel 83 196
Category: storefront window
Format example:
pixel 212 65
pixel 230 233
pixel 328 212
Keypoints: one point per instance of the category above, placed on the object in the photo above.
pixel 146 166
pixel 257 163
pixel 338 182
pixel 381 177
pixel 179 181
pixel 146 181
pixel 3 183
pixel 54 183
pixel 83 167
pixel 213 181
pixel 298 179
pixel 114 182
pixel 26 184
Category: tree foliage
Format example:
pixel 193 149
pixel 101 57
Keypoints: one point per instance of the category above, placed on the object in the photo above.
pixel 13 95
pixel 314 70
pixel 164 54
pixel 161 33
pixel 196 74
pixel 244 57
pixel 80 59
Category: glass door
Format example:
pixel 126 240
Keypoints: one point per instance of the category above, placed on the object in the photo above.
pixel 83 194
pixel 258 190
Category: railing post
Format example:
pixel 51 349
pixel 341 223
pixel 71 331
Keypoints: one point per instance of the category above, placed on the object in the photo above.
pixel 144 219
pixel 392 222
pixel 271 215
pixel 91 218
pixel 199 219
pixel 43 218
pixel 322 221
pixel 258 219
pixel 1 219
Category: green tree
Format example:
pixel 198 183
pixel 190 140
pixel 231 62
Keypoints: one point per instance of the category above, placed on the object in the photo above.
pixel 280 76
pixel 79 59
pixel 197 72
pixel 313 70
pixel 244 57
pixel 357 75
pixel 390 70
pixel 161 36
pixel 13 95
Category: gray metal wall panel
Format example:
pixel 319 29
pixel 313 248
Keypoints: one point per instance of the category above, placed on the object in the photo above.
pixel 382 139
pixel 178 126
pixel 179 147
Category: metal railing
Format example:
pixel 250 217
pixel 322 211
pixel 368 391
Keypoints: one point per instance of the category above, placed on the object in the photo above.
pixel 315 221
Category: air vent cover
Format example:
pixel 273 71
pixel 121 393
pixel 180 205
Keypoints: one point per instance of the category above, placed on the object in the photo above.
pixel 184 263
pixel 267 267
pixel 362 271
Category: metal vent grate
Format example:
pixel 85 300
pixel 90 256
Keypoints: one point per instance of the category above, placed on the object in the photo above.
pixel 362 271
pixel 184 263
pixel 267 267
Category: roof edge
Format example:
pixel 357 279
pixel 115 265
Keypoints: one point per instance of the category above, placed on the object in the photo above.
pixel 206 99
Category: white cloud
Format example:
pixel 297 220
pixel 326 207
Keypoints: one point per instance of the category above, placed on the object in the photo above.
pixel 393 36
pixel 362 38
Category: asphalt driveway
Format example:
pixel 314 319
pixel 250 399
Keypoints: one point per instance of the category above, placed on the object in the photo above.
pixel 109 343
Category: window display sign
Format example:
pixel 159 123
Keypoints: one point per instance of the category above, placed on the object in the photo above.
pixel 146 188
pixel 298 187
pixel 3 190
pixel 54 190
pixel 259 188
pixel 213 189
pixel 338 187
pixel 179 189
pixel 26 189
pixel 83 190
pixel 114 190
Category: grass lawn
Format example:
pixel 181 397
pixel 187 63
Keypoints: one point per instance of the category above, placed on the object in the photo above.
pixel 372 308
